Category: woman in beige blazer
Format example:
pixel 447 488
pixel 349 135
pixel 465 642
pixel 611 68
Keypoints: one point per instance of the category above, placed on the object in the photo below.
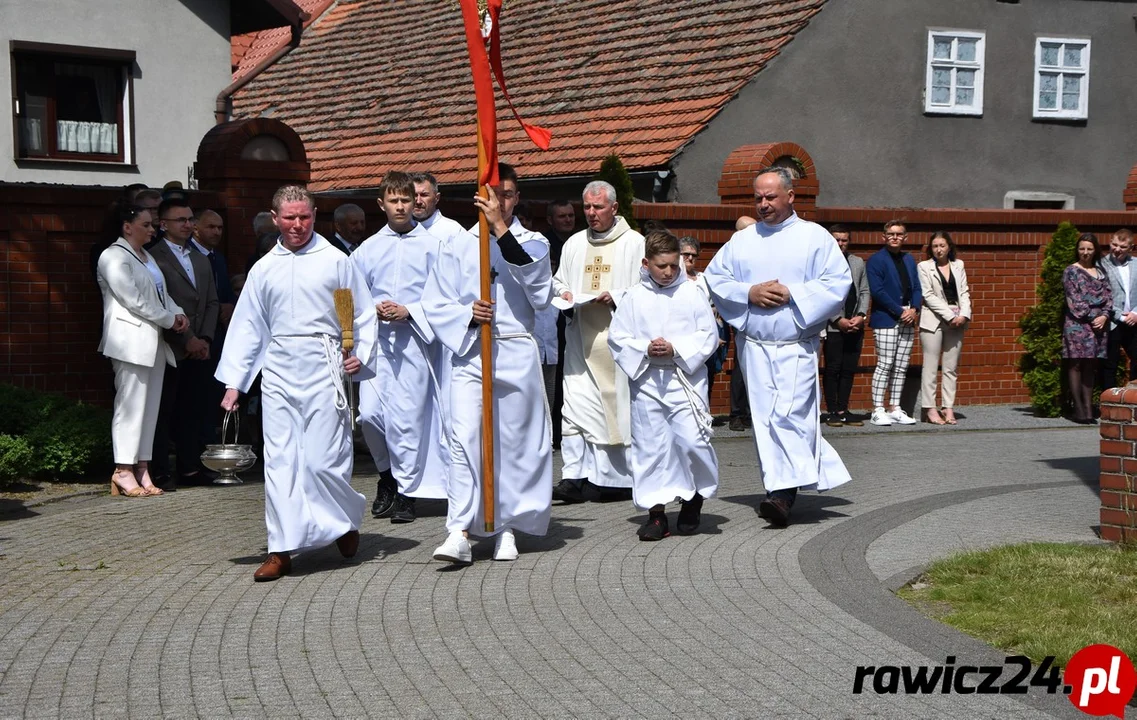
pixel 943 318
pixel 136 307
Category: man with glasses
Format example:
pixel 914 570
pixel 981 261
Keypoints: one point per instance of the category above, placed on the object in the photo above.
pixel 186 388
pixel 896 297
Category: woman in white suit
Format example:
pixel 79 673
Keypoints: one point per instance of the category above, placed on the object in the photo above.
pixel 136 307
pixel 943 318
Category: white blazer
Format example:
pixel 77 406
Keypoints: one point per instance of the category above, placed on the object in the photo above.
pixel 935 310
pixel 133 312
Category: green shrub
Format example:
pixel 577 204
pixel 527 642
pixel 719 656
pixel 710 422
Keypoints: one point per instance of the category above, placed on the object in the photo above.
pixel 16 458
pixel 1041 364
pixel 613 172
pixel 63 438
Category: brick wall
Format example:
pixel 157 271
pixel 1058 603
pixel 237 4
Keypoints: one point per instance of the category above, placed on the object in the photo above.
pixel 1118 465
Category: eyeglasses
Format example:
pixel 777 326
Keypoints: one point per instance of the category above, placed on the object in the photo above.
pixel 181 220
pixel 689 255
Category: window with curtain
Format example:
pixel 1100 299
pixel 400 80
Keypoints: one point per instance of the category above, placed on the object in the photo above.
pixel 71 105
pixel 1061 78
pixel 954 78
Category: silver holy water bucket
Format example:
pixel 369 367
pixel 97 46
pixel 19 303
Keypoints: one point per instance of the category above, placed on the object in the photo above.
pixel 227 458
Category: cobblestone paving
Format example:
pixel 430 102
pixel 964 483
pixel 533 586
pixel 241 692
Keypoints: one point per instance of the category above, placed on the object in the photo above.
pixel 146 608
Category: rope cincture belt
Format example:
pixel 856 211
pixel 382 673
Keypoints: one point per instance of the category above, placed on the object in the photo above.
pixel 333 358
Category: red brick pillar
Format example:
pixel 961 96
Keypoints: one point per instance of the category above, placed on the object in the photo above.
pixel 1130 194
pixel 1118 478
pixel 736 184
pixel 245 161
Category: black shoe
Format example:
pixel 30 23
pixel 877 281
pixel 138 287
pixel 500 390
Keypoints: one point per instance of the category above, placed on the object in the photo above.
pixel 737 424
pixel 598 493
pixel 834 419
pixel 775 510
pixel 198 479
pixel 568 492
pixel 404 511
pixel 384 496
pixel 719 421
pixel 688 521
pixel 655 528
pixel 165 483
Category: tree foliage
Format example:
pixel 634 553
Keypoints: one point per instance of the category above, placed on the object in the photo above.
pixel 1041 363
pixel 613 172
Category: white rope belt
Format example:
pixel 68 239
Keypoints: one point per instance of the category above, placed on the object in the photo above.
pixel 698 406
pixel 334 360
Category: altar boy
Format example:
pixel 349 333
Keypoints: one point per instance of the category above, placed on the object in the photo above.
pixel 661 336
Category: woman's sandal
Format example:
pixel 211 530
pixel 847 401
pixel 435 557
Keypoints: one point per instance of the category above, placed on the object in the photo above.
pixel 117 489
pixel 142 475
pixel 949 417
pixel 933 417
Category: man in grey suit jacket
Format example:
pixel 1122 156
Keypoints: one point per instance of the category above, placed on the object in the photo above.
pixel 185 392
pixel 1121 270
pixel 844 338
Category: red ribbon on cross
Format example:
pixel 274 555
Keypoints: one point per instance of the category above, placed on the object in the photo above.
pixel 481 64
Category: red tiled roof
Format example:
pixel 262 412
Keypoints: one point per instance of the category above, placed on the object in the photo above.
pixel 377 86
pixel 249 49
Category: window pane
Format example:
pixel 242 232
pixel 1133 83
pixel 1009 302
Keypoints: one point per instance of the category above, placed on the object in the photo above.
pixel 1071 84
pixel 966 50
pixel 1049 54
pixel 1048 82
pixel 1069 101
pixel 941 78
pixel 965 97
pixel 965 78
pixel 1047 101
pixel 941 49
pixel 941 95
pixel 1072 56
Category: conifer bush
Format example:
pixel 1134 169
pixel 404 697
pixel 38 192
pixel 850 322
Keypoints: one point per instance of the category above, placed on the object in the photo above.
pixel 612 171
pixel 1041 363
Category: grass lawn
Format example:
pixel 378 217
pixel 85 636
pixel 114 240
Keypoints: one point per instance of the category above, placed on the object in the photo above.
pixel 1036 599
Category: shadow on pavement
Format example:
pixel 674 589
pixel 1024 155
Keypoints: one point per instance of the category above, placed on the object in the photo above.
pixel 708 524
pixel 558 535
pixel 1086 468
pixel 14 510
pixel 808 509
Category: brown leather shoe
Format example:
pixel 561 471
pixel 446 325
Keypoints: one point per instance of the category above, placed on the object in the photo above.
pixel 775 510
pixel 348 543
pixel 275 566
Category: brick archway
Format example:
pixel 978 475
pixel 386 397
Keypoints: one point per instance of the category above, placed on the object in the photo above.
pixel 736 184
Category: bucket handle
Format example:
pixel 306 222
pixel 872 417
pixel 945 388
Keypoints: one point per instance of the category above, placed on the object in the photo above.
pixel 236 427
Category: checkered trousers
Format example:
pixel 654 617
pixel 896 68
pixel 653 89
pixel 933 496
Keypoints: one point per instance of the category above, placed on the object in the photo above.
pixel 893 351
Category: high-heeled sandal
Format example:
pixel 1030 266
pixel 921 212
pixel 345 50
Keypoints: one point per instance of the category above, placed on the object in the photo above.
pixel 950 420
pixel 933 416
pixel 142 474
pixel 117 489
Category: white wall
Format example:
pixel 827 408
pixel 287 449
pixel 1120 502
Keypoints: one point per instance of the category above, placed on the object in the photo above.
pixel 182 51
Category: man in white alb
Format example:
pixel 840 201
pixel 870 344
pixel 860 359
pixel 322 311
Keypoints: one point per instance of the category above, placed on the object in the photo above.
pixel 777 283
pixel 598 265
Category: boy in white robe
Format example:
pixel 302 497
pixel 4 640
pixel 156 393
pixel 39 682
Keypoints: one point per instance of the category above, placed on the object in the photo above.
pixel 778 282
pixel 400 408
pixel 523 463
pixel 285 327
pixel 661 336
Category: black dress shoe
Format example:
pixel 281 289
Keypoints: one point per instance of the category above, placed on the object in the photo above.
pixel 348 543
pixel 384 496
pixel 198 479
pixel 775 510
pixel 568 492
pixel 404 511
pixel 737 424
pixel 166 483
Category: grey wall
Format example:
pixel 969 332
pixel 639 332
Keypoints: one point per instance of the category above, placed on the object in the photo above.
pixel 183 57
pixel 849 89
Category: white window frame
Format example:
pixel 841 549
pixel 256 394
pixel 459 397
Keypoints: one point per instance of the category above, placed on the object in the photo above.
pixel 1009 199
pixel 953 65
pixel 1083 110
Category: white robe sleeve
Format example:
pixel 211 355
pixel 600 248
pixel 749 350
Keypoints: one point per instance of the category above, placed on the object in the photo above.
pixel 731 297
pixel 449 294
pixel 536 276
pixel 246 340
pixel 692 349
pixel 365 326
pixel 628 344
pixel 820 297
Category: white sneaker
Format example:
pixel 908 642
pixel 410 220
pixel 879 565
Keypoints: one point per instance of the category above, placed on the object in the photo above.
pixel 456 550
pixel 505 548
pixel 880 417
pixel 901 418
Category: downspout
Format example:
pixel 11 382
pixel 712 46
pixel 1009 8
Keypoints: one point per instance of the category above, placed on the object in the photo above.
pixel 221 109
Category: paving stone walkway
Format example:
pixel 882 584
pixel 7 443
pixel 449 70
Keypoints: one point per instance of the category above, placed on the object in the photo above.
pixel 146 608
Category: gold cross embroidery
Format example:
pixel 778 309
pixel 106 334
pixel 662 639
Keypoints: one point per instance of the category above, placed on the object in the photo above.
pixel 595 269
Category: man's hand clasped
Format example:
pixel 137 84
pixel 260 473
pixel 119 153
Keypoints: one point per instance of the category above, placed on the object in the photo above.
pixel 181 324
pixel 660 348
pixel 769 294
pixel 391 311
pixel 483 312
